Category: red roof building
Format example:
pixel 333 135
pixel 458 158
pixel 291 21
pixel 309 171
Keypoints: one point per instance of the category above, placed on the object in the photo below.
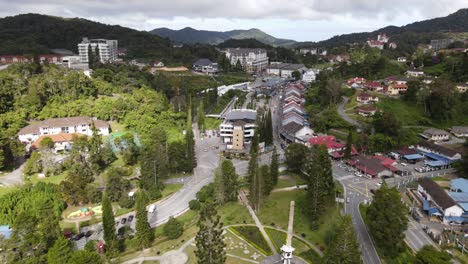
pixel 373 86
pixel 366 98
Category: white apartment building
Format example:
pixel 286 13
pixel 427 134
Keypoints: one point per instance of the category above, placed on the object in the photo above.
pixel 107 49
pixel 238 128
pixel 253 60
pixel 67 125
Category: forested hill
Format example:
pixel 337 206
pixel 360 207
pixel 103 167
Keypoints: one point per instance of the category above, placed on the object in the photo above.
pixel 417 32
pixel 29 33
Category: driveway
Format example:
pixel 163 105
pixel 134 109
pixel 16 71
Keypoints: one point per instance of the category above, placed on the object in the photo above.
pixel 13 178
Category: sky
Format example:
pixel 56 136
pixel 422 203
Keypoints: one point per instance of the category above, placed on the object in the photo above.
pixel 301 20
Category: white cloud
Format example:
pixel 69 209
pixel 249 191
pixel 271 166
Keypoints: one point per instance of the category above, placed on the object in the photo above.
pixel 291 16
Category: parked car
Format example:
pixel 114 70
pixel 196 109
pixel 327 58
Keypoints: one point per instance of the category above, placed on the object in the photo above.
pixel 403 164
pixel 79 236
pixel 347 199
pixel 379 184
pixel 123 221
pixel 357 173
pixel 130 218
pixel 89 233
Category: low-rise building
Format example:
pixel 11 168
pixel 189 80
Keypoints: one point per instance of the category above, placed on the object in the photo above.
pixel 373 167
pixel 309 76
pixel 415 73
pixel 401 59
pixel 205 66
pixel 296 133
pixel 62 141
pixel 397 88
pixel 437 44
pixel 367 111
pixel 67 125
pixel 237 129
pixel 459 131
pixel 435 134
pixel 375 44
pixel 437 152
pixel 374 86
pixel 365 98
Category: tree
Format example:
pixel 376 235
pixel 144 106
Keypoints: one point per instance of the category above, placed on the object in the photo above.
pixel 116 186
pixel 333 90
pixel 386 123
pixel 189 139
pixel 274 167
pixel 85 257
pixel 430 255
pixel 34 164
pixel 268 129
pixel 201 117
pixel 349 145
pixel 173 228
pixel 91 57
pixel 344 247
pixel 144 235
pixel 60 252
pixel 412 91
pixel 295 157
pixel 47 142
pixel 209 239
pixel 296 75
pixel 128 148
pixel 387 220
pixel 321 188
pixel 268 183
pixel 108 221
pixel 226 182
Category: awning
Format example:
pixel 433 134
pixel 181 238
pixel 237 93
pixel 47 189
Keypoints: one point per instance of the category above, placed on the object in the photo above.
pixel 413 157
pixel 434 211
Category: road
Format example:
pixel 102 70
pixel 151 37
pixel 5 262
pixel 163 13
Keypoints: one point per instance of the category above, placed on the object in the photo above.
pixel 13 178
pixel 342 112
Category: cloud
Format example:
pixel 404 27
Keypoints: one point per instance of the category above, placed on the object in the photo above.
pixel 221 15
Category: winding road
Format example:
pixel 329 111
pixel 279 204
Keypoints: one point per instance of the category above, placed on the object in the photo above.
pixel 342 112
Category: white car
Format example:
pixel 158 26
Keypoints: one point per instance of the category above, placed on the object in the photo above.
pixel 358 174
pixel 379 184
pixel 403 164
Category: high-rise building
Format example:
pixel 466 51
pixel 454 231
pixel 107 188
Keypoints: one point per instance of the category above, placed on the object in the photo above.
pixel 252 60
pixel 107 49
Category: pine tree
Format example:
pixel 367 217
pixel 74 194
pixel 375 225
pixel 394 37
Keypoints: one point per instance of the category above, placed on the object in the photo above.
pixel 154 162
pixel 108 221
pixel 388 220
pixel 94 150
pixel 189 139
pixel 144 234
pixel 269 129
pixel 252 167
pixel 91 57
pixel 226 182
pixel 274 167
pixel 344 248
pixel 60 252
pixel 209 239
pixel 349 145
pixel 267 181
pixel 201 117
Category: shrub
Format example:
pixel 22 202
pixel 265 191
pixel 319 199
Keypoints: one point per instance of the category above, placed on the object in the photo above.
pixel 173 229
pixel 194 205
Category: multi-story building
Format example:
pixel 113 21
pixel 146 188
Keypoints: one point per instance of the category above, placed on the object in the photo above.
pixel 108 49
pixel 238 128
pixel 205 66
pixel 437 44
pixel 252 60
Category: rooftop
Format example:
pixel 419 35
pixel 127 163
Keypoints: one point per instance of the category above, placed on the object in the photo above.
pixel 460 185
pixel 439 196
pixel 241 114
pixel 34 127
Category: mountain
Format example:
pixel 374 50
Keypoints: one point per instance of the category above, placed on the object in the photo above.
pixel 190 35
pixel 414 33
pixel 34 33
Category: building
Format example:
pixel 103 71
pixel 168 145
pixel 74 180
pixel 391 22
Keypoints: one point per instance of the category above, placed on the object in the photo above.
pixel 397 88
pixel 437 44
pixel 329 142
pixel 252 60
pixel 367 111
pixel 382 37
pixel 43 58
pixel 401 59
pixel 238 86
pixel 373 167
pixel 309 76
pixel 238 128
pixel 436 201
pixel 296 133
pixel 293 107
pixel 157 64
pixel 285 70
pixel 205 66
pixel 374 86
pixel 435 134
pixel 108 49
pixel 62 141
pixel 459 131
pixel 375 44
pixel 74 62
pixel 67 125
pixel 439 153
pixel 365 98
pixel 415 73
pixel 462 87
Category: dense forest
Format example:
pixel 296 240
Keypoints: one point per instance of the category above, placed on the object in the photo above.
pixel 34 33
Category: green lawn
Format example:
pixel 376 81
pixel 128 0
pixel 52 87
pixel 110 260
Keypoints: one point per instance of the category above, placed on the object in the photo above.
pixel 277 237
pixel 170 189
pixel 212 123
pixel 409 114
pixel 304 251
pixel 253 236
pixel 51 179
pixel 234 213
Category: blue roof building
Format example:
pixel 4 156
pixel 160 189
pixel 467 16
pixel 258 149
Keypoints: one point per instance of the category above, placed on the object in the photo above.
pixel 459 185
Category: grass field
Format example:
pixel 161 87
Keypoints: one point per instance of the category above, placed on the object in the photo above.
pixel 212 123
pixel 408 114
pixel 51 179
pixel 253 236
pixel 304 251
pixel 234 213
pixel 277 237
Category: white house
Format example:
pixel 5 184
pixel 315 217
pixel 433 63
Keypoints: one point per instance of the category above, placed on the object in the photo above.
pixel 415 73
pixel 435 134
pixel 67 125
pixel 309 76
pixel 401 59
pixel 205 66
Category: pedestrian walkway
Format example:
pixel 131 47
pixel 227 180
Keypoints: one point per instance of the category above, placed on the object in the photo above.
pixel 244 200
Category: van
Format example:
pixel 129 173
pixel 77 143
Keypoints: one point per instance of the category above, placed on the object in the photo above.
pixel 152 208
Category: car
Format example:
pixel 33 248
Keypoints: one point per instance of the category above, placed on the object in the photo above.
pixel 89 233
pixel 379 184
pixel 79 236
pixel 130 218
pixel 357 173
pixel 347 199
pixel 123 221
pixel 403 164
pixel 206 149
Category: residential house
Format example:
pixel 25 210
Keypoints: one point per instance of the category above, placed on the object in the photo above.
pixel 401 59
pixel 375 44
pixel 62 141
pixel 462 87
pixel 396 88
pixel 367 111
pixel 435 134
pixel 415 73
pixel 9 59
pixel 365 98
pixel 309 76
pixel 68 125
pixel 205 66
pixel 374 86
pixel 459 131
pixel 293 107
pixel 382 37
pixel 293 117
pixel 328 141
pixel 157 64
pixel 356 80
pixel 252 60
pixel 436 201
pixel 294 98
pixel 293 91
pixel 296 133
pixel 237 129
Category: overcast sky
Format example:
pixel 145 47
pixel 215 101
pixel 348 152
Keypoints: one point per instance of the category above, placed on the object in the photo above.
pixel 294 19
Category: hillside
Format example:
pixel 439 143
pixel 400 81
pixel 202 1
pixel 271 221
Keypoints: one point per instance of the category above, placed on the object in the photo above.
pixel 411 34
pixel 190 35
pixel 29 33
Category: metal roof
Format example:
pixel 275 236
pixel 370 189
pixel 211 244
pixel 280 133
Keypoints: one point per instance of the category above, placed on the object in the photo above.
pixel 459 196
pixel 413 157
pixel 241 115
pixel 459 184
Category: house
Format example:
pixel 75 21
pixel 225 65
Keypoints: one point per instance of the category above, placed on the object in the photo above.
pixel 293 107
pixel 415 73
pixel 294 98
pixel 435 134
pixel 205 66
pixel 296 133
pixel 237 128
pixel 437 152
pixel 68 125
pixel 374 86
pixel 401 59
pixel 436 201
pixel 366 111
pixel 459 131
pixel 396 88
pixel 382 37
pixel 396 80
pixel 373 167
pixel 293 91
pixel 462 87
pixel 308 76
pixel 9 59
pixel 157 64
pixel 252 60
pixel 329 142
pixel 62 141
pixel 293 117
pixel 287 70
pixel 365 98
pixel 356 80
pixel 375 44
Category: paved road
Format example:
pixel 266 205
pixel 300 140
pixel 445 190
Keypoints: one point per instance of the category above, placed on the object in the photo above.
pixel 13 178
pixel 342 113
pixel 416 238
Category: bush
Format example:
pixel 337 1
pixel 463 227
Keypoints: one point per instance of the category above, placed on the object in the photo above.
pixel 173 229
pixel 126 201
pixel 194 205
pixel 90 245
pixel 207 192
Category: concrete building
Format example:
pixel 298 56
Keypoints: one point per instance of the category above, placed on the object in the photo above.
pixel 238 128
pixel 205 66
pixel 252 60
pixel 108 49
pixel 309 76
pixel 67 125
pixel 285 70
pixel 435 134
pixel 437 44
pixel 460 131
